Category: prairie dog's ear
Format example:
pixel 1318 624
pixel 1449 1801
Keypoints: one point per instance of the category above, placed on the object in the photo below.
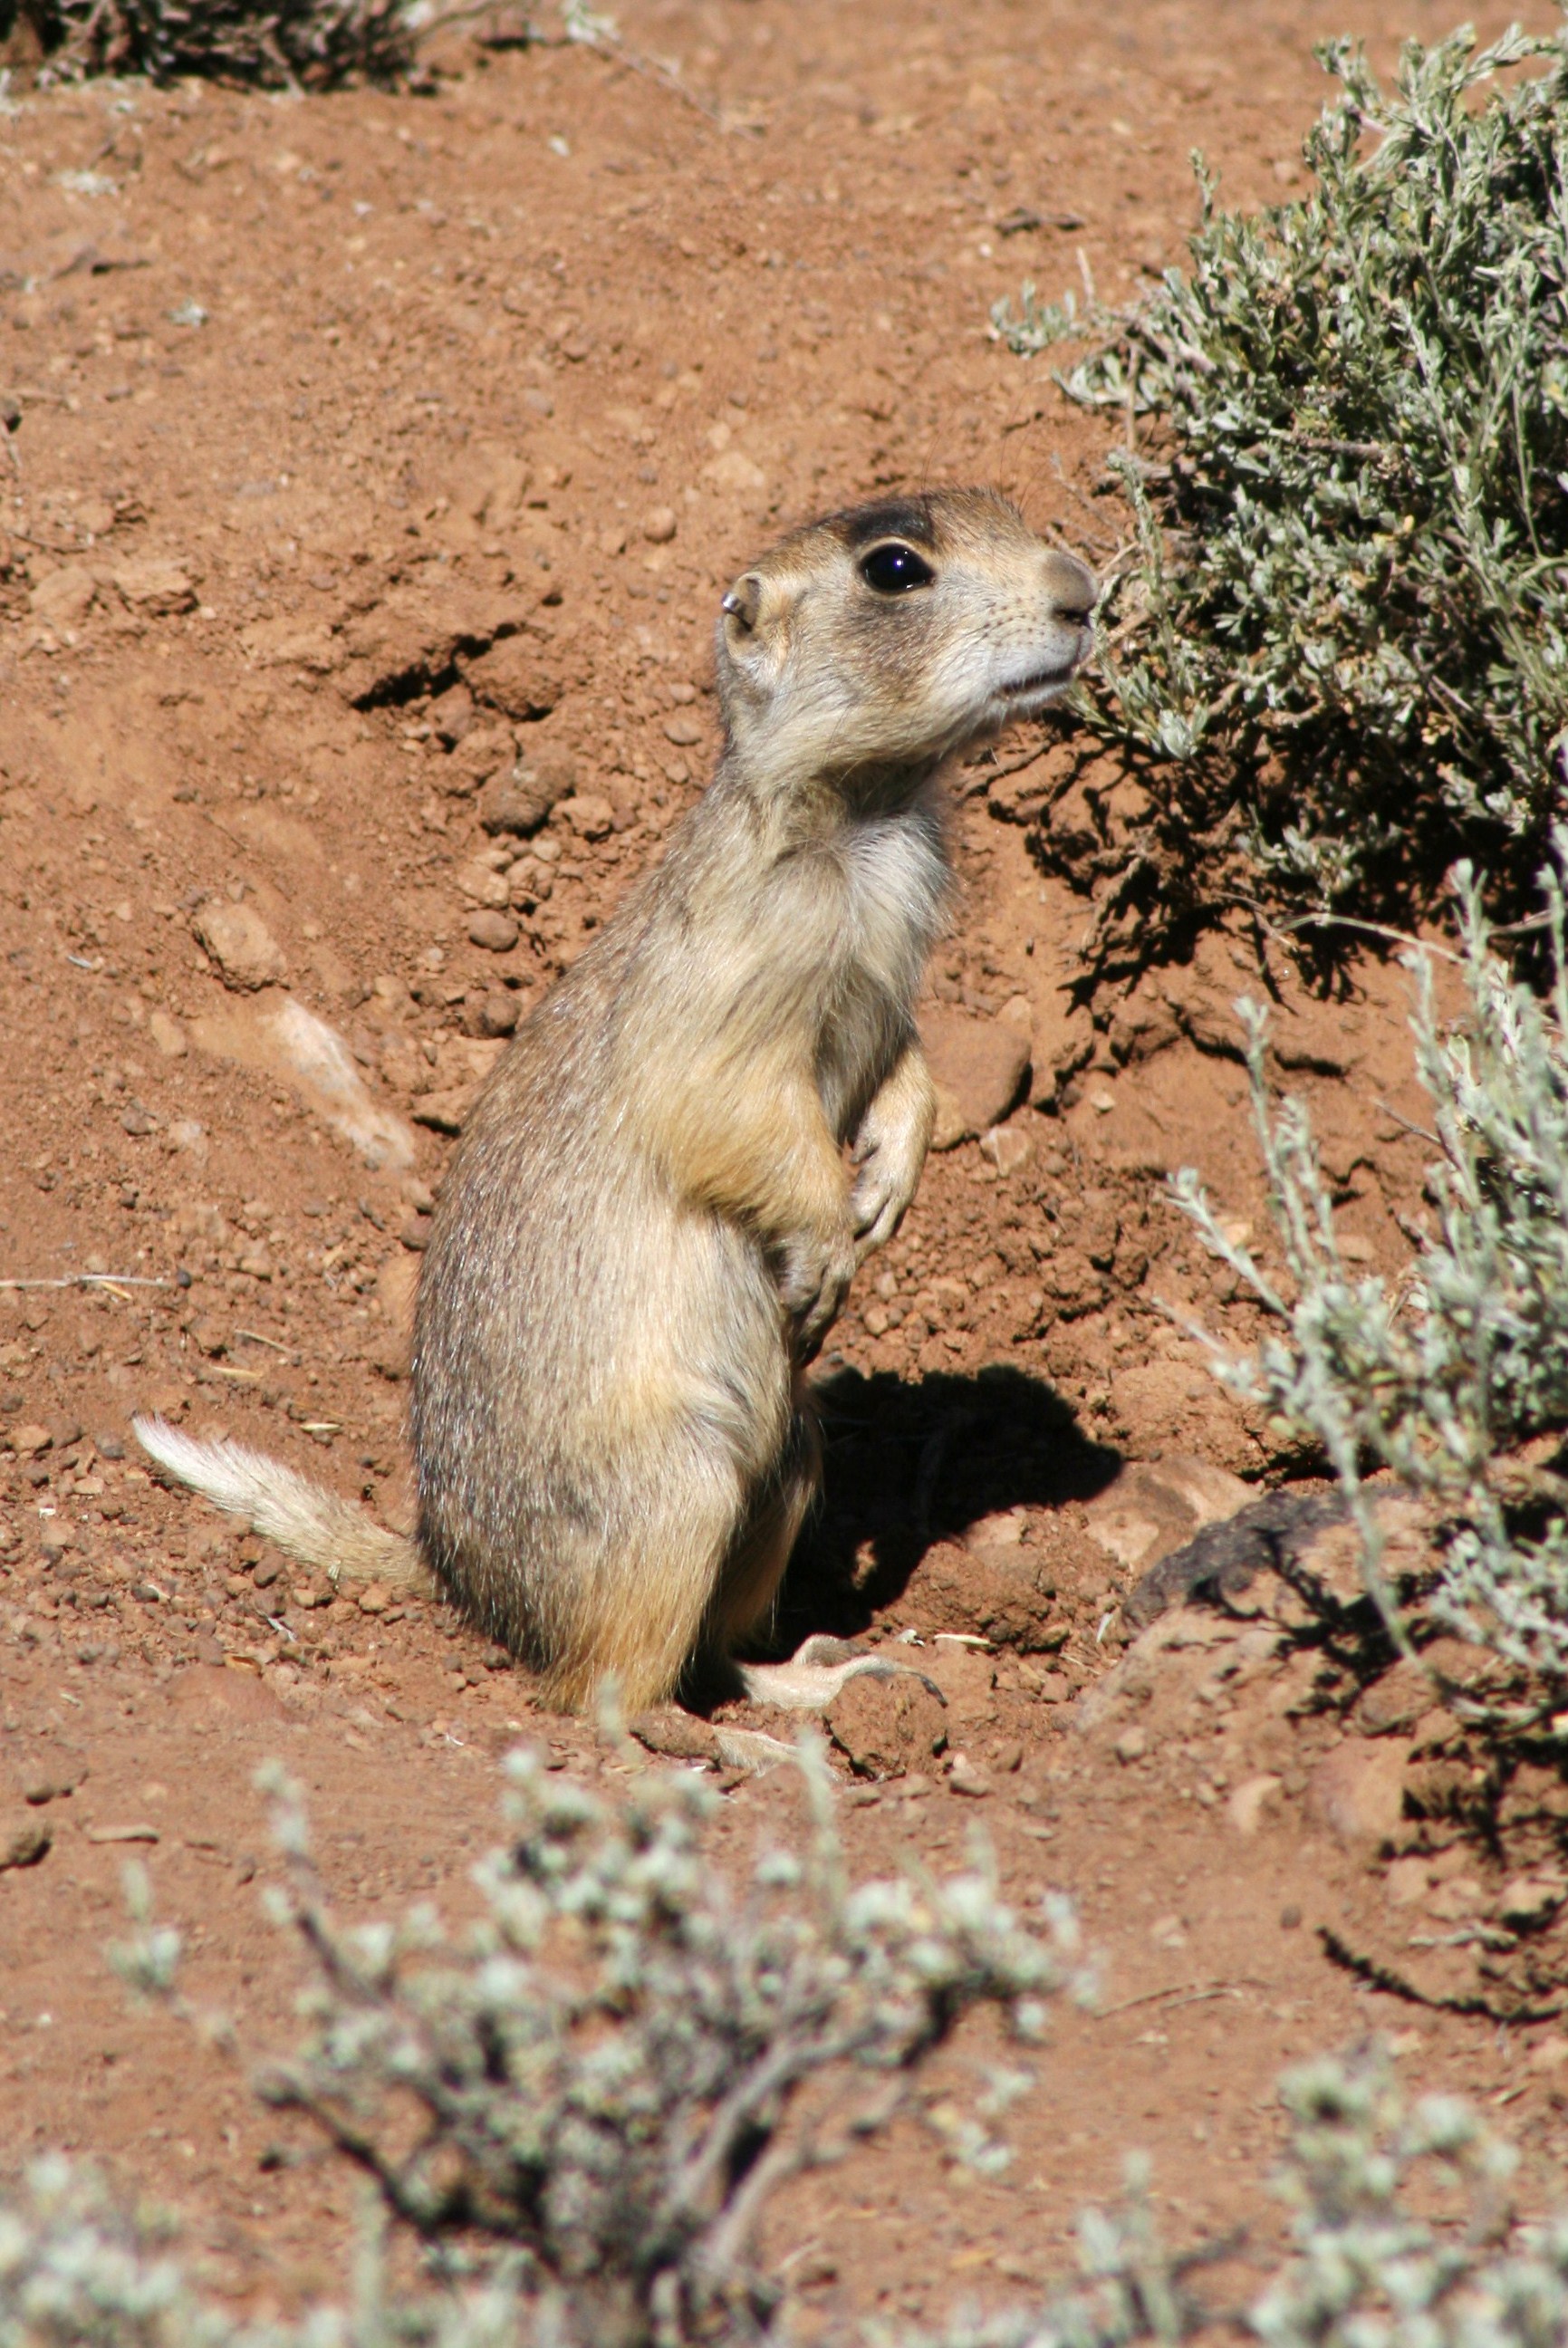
pixel 753 640
pixel 742 606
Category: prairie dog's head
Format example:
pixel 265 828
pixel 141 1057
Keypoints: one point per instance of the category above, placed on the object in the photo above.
pixel 895 634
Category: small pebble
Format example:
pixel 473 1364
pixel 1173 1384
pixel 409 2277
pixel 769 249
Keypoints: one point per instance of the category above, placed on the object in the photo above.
pixel 496 932
pixel 23 1844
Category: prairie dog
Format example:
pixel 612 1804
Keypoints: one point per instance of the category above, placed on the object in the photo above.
pixel 656 1207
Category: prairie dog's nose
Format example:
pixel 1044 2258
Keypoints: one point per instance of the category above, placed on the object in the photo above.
pixel 1071 585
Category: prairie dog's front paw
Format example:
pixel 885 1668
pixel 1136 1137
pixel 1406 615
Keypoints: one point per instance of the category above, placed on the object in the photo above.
pixel 889 1153
pixel 813 1274
pixel 882 1190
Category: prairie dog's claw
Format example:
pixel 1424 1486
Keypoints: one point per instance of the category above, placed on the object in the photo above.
pixel 816 1672
pixel 813 1277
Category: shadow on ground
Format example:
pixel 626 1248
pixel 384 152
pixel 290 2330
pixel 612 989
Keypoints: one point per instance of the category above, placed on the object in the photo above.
pixel 907 1464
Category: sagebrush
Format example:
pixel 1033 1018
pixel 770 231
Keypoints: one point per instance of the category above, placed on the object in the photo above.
pixel 1369 2266
pixel 1337 644
pixel 274 42
pixel 1453 1375
pixel 602 2085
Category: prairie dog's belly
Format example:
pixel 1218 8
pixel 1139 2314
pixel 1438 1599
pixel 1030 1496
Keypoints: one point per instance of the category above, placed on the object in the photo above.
pixel 574 1321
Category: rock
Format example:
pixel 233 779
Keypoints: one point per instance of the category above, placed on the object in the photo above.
pixel 1458 1898
pixel 659 525
pixel 965 1677
pixel 167 1035
pixel 54 1784
pixel 444 1112
pixel 1062 1033
pixel 681 731
pixel 519 802
pixel 590 816
pixel 452 714
pixel 247 955
pixel 137 1120
pixel 279 1036
pixel 677 1736
pixel 1331 1556
pixel 1395 1701
pixel 963 1778
pixel 54 1537
pixel 1247 1804
pixel 63 598
pixel 529 884
pixel 492 1014
pixel 1549 2054
pixel 1357 1790
pixel 1408 1882
pixel 1150 1508
pixel 28 1440
pixel 1132 1745
pixel 734 471
pixel 375 1599
pixel 1225 1557
pixel 481 886
pixel 283 644
pixel 978 1065
pixel 521 677
pixel 155 588
pixel 1006 1594
pixel 482 752
pixel 23 1843
pixel 1008 1148
pixel 884 1728
pixel 414 1230
pixel 496 932
pixel 1530 1900
pixel 209 1336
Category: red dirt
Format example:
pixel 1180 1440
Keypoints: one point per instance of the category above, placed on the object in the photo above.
pixel 493 390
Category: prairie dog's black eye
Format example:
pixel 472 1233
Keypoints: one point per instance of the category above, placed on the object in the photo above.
pixel 894 568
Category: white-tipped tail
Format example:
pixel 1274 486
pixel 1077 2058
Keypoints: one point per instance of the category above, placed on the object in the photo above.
pixel 307 1521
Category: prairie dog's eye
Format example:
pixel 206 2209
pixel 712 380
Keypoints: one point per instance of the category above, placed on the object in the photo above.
pixel 894 568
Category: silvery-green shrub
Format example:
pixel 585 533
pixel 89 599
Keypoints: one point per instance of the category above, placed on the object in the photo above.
pixel 1340 637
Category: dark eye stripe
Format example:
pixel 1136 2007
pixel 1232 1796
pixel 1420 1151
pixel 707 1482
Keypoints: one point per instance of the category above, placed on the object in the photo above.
pixel 893 569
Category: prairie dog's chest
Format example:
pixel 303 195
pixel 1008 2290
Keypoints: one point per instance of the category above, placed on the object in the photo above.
pixel 897 880
pixel 896 886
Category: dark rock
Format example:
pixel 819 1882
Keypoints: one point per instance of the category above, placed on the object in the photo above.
pixel 520 801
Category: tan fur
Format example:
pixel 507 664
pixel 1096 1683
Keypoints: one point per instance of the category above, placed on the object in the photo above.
pixel 656 1209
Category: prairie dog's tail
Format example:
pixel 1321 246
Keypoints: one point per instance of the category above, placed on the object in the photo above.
pixel 305 1521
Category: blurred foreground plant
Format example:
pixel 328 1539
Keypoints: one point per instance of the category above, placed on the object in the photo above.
pixel 1365 2270
pixel 312 43
pixel 605 2081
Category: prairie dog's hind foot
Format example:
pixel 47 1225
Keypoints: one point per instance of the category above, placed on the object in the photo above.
pixel 813 1275
pixel 815 1673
